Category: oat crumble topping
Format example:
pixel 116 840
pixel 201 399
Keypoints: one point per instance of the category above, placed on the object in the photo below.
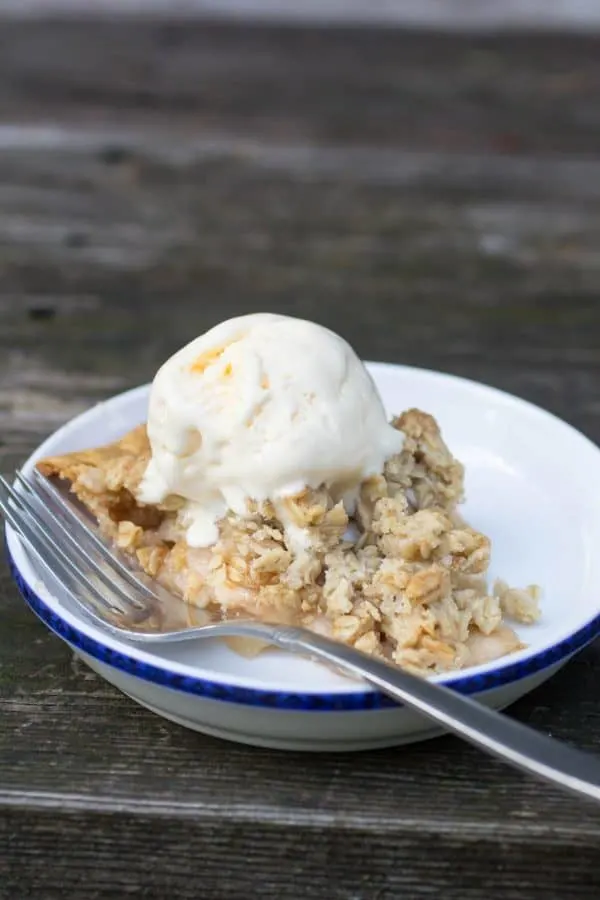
pixel 408 583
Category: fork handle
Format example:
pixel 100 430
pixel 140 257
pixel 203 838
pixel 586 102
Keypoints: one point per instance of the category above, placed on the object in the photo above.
pixel 486 728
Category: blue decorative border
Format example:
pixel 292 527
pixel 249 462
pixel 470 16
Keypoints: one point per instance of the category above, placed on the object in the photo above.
pixel 305 702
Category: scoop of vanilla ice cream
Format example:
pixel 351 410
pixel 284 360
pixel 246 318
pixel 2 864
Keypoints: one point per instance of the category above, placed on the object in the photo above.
pixel 259 408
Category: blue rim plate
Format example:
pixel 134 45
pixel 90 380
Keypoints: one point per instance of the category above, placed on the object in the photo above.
pixel 453 399
pixel 314 702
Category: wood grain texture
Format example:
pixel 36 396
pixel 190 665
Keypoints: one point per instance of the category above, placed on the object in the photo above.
pixel 434 199
pixel 525 93
pixel 302 861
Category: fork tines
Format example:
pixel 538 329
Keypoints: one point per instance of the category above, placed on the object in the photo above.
pixel 74 553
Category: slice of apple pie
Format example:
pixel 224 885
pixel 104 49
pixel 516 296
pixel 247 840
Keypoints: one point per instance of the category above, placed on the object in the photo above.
pixel 405 579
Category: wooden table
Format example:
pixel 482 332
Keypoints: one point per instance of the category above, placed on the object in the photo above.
pixel 434 198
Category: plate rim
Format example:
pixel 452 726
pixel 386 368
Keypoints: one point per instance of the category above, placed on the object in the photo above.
pixel 159 672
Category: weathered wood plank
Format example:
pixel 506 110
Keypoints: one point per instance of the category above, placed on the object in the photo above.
pixel 499 287
pixel 167 857
pixel 507 94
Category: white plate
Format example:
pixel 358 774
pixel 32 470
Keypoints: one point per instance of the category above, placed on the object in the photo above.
pixel 532 485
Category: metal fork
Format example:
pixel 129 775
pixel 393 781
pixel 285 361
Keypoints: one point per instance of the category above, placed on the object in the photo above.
pixel 102 583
